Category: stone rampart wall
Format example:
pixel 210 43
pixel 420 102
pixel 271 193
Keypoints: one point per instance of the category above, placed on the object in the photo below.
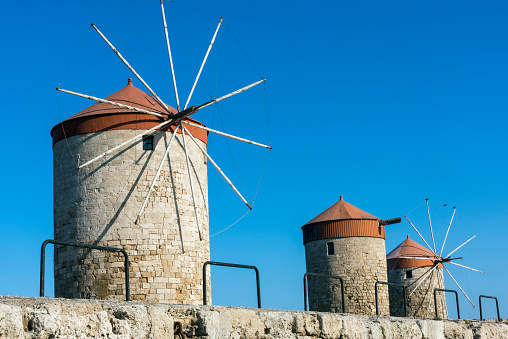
pixel 44 318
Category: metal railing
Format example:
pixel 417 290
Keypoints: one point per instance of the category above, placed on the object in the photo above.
pixel 324 276
pixel 390 284
pixel 93 247
pixel 216 263
pixel 497 306
pixel 456 300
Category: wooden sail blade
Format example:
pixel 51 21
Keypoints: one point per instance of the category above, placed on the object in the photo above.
pixel 423 279
pixel 227 135
pixel 218 169
pixel 191 183
pixel 112 103
pixel 428 246
pixel 170 57
pixel 456 283
pixel 469 268
pixel 156 175
pixel 430 225
pixel 243 89
pixel 203 63
pixel 460 246
pixel 131 68
pixel 448 230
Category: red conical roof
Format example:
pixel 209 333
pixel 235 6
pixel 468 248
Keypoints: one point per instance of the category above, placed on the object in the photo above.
pixel 105 117
pixel 398 258
pixel 129 95
pixel 342 210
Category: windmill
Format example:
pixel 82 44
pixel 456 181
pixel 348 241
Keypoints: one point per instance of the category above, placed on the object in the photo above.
pixel 104 139
pixel 429 264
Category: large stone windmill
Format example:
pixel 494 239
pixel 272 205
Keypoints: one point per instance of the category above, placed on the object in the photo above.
pixel 131 172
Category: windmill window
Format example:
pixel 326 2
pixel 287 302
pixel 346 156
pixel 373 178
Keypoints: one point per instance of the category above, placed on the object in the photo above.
pixel 330 249
pixel 409 274
pixel 148 143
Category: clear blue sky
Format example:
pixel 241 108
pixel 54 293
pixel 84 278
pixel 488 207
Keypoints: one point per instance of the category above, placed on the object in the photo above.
pixel 386 103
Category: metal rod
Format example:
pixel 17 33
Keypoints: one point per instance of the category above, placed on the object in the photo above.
pixel 177 117
pixel 390 284
pixel 130 67
pixel 156 175
pixel 430 224
pixel 448 230
pixel 226 135
pixel 497 306
pixel 216 263
pixel 94 247
pixel 419 234
pixel 170 58
pixel 218 169
pixel 112 103
pixel 191 184
pixel 305 278
pixel 460 246
pixel 469 268
pixel 426 275
pixel 456 283
pixel 456 300
pixel 203 63
pixel 231 94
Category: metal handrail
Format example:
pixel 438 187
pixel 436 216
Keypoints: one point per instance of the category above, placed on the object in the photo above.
pixel 94 247
pixel 456 299
pixel 390 284
pixel 497 306
pixel 216 263
pixel 325 276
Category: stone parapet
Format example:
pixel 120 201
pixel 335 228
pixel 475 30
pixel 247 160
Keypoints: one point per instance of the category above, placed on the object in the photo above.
pixel 45 318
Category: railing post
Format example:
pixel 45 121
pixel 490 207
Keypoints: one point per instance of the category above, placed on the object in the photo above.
pixel 456 300
pixel 216 263
pixel 305 278
pixel 390 284
pixel 94 247
pixel 497 306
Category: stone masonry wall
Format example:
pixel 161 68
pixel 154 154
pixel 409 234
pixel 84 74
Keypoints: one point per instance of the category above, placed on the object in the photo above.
pixel 43 318
pixel 360 261
pixel 98 204
pixel 421 303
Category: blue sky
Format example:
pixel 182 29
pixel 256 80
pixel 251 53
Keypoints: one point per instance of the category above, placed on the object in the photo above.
pixel 385 103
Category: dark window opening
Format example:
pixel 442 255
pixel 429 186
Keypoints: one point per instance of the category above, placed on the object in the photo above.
pixel 409 274
pixel 330 248
pixel 148 143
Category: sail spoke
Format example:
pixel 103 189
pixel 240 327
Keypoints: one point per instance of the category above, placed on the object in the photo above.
pixel 243 89
pixel 456 283
pixel 131 68
pixel 226 135
pixel 433 279
pixel 430 225
pixel 460 246
pixel 448 230
pixel 217 167
pixel 423 279
pixel 419 234
pixel 112 103
pixel 469 268
pixel 156 175
pixel 191 182
pixel 203 63
pixel 170 57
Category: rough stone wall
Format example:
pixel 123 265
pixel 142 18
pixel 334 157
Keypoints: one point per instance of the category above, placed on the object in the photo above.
pixel 44 318
pixel 360 261
pixel 98 204
pixel 421 303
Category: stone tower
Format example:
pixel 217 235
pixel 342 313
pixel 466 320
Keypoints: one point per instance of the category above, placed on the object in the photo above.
pixel 348 242
pixel 404 268
pixel 98 204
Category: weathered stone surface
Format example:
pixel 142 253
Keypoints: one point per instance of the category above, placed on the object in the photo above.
pixel 99 205
pixel 60 318
pixel 360 261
